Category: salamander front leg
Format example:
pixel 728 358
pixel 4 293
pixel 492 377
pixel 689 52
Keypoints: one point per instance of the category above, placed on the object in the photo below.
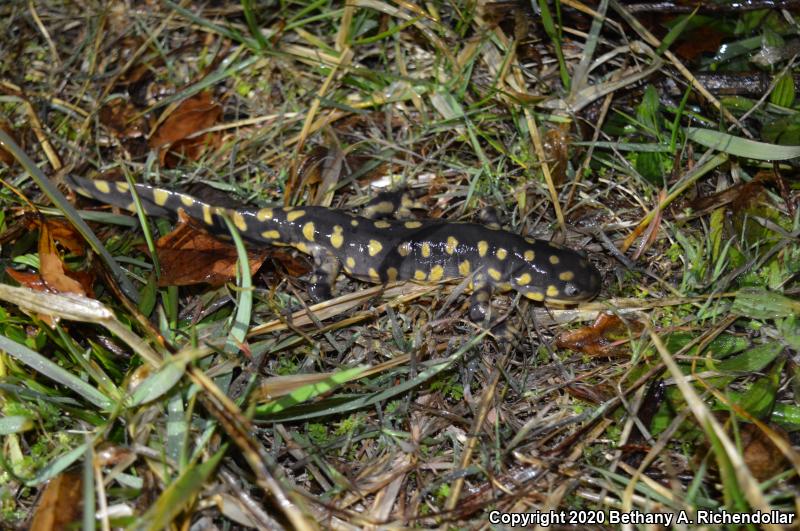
pixel 323 278
pixel 385 204
pixel 480 302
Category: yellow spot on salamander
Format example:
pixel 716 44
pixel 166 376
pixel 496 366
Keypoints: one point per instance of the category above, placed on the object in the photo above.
pixel 464 268
pixel 494 273
pixel 207 215
pixel 529 255
pixel 373 274
pixel 264 214
pixel 102 187
pixel 552 291
pixel 308 231
pixel 426 249
pixel 554 259
pixel 160 196
pixel 566 276
pixel 354 222
pixel 350 262
pixel 292 215
pixel 412 224
pixel 524 279
pixel 391 274
pixel 336 238
pixel 271 234
pixel 186 200
pixel 451 245
pixel 502 253
pixel 404 249
pixel 122 187
pixel 535 296
pixel 302 247
pixel 238 220
pixel 374 247
pixel 382 224
pixel 420 275
pixel 483 246
pixel 437 272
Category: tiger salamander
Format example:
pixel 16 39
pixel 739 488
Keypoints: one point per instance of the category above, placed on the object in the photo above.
pixel 379 250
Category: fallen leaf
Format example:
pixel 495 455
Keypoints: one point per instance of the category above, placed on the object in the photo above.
pixel 122 118
pixel 760 454
pixel 52 268
pixel 189 255
pixel 602 338
pixel 594 394
pixel 192 115
pixel 29 280
pixel 556 151
pixel 61 231
pixel 60 503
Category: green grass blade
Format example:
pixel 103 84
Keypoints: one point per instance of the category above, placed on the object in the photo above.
pixel 47 368
pixel 178 495
pixel 741 147
pixel 310 391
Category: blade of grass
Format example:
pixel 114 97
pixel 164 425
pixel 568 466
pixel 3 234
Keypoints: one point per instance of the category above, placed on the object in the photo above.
pixel 179 494
pixel 741 147
pixel 312 390
pixel 58 374
pixel 244 303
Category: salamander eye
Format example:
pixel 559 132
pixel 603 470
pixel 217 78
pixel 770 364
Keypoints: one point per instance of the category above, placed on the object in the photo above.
pixel 570 290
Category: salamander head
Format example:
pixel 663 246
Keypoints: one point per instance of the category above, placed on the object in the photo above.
pixel 555 274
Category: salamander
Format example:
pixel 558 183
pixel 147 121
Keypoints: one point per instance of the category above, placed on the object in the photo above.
pixel 383 250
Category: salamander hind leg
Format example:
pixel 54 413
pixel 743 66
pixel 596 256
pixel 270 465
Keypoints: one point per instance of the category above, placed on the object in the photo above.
pixel 323 277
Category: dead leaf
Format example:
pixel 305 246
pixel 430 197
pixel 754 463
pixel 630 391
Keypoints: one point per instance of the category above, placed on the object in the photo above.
pixel 602 338
pixel 760 454
pixel 189 255
pixel 556 150
pixel 594 394
pixel 192 115
pixel 123 119
pixel 61 231
pixel 29 280
pixel 60 503
pixel 52 268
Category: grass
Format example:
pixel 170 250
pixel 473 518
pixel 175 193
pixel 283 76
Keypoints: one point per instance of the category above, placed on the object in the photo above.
pixel 248 405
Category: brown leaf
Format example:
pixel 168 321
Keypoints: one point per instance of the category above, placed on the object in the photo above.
pixel 192 115
pixel 760 454
pixel 594 394
pixel 556 150
pixel 60 503
pixel 61 231
pixel 52 268
pixel 120 116
pixel 189 255
pixel 29 280
pixel 696 41
pixel 599 339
